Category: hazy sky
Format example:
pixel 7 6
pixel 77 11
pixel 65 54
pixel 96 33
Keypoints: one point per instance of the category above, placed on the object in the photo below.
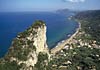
pixel 47 5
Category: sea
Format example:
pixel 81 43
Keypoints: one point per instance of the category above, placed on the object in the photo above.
pixel 59 27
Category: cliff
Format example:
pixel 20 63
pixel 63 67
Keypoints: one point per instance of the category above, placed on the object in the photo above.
pixel 26 47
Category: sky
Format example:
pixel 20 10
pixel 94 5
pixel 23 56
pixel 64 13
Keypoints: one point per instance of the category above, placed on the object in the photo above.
pixel 47 5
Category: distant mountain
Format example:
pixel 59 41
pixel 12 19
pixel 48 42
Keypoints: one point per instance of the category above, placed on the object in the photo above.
pixel 65 11
pixel 90 14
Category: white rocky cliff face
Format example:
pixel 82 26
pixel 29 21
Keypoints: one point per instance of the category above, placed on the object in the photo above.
pixel 40 39
pixel 27 45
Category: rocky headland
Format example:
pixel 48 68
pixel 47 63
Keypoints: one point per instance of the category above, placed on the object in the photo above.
pixel 26 47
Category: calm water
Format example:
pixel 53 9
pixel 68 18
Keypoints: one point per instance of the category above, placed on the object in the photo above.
pixel 58 27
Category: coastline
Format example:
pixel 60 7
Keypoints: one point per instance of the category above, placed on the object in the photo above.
pixel 62 44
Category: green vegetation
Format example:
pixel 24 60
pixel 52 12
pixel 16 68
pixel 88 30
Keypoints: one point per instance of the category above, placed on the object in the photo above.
pixel 82 58
pixel 90 21
pixel 20 50
pixel 17 50
pixel 9 66
pixel 31 46
pixel 42 61
pixel 38 23
pixel 24 34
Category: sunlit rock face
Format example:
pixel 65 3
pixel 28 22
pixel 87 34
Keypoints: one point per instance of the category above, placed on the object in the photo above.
pixel 40 39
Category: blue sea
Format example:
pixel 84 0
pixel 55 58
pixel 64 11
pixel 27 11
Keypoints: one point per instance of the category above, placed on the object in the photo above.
pixel 11 23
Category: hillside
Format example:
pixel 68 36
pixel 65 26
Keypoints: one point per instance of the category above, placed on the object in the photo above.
pixel 91 23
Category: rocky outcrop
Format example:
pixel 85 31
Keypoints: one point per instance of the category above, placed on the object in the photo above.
pixel 40 39
pixel 27 45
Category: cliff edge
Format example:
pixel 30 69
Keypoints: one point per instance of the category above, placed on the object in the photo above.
pixel 26 47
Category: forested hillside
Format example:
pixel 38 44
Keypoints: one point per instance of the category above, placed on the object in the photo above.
pixel 91 23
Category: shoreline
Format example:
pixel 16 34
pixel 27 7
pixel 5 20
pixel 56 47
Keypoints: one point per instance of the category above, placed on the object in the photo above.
pixel 62 44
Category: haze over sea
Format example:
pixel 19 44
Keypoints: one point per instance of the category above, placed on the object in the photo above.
pixel 58 26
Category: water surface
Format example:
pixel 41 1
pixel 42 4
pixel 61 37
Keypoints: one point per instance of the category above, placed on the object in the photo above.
pixel 58 26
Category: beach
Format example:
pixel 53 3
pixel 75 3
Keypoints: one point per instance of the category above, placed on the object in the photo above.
pixel 63 43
